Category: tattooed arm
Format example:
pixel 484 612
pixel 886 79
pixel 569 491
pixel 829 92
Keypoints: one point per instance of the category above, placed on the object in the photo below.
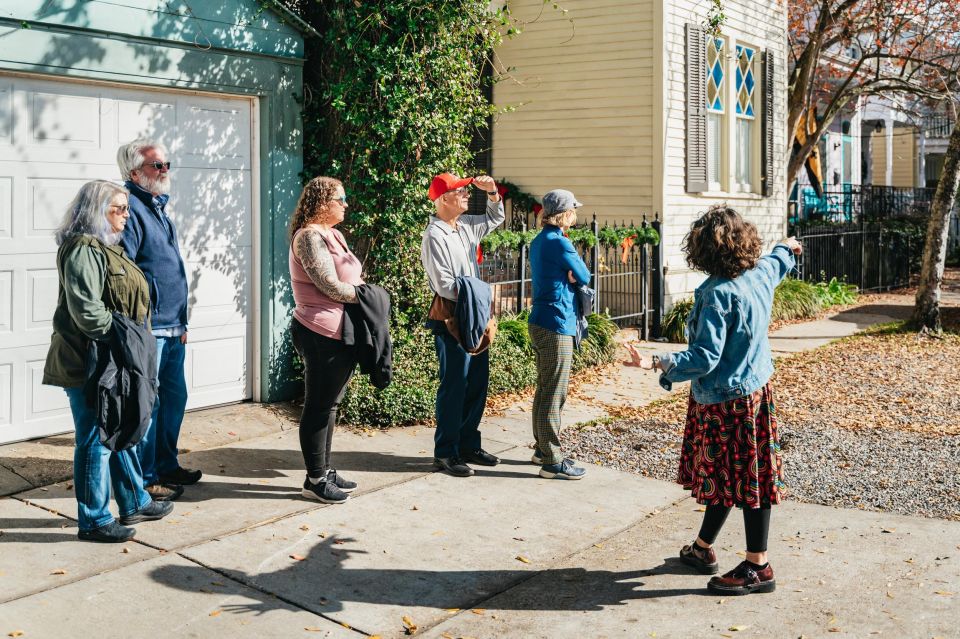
pixel 317 262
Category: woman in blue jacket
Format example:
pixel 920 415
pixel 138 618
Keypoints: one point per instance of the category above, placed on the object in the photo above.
pixel 730 454
pixel 556 270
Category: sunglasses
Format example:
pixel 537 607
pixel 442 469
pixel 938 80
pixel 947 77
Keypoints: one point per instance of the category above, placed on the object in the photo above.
pixel 123 208
pixel 157 165
pixel 461 191
pixel 342 199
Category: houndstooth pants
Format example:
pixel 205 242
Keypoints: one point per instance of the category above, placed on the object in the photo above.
pixel 554 355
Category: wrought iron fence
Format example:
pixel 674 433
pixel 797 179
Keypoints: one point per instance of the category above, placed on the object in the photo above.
pixel 853 202
pixel 872 257
pixel 628 280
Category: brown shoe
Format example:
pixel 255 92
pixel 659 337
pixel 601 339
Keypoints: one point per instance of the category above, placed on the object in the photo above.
pixel 743 580
pixel 703 559
pixel 159 492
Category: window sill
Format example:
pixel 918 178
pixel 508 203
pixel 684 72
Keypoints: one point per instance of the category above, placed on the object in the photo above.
pixel 729 196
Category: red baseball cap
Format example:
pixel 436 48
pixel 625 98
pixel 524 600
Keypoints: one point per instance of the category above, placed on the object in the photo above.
pixel 446 182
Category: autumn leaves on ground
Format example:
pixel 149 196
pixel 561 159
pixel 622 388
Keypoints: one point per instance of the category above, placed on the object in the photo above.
pixel 871 421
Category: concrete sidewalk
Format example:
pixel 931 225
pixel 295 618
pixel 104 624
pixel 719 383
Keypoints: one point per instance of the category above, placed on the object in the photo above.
pixel 502 554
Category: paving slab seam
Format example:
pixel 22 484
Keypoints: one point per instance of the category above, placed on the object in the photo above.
pixel 253 586
pixel 5 467
pixel 559 561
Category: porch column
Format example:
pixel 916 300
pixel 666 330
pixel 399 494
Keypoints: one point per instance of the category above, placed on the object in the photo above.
pixel 921 180
pixel 888 129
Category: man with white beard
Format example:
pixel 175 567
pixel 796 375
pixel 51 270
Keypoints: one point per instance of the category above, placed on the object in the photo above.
pixel 150 240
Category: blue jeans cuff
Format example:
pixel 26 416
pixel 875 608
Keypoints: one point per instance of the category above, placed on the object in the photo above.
pixel 99 523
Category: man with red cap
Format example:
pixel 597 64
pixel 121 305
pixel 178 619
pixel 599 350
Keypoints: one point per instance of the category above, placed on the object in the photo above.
pixel 449 251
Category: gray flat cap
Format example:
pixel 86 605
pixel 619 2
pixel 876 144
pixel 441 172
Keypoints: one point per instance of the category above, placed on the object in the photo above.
pixel 558 201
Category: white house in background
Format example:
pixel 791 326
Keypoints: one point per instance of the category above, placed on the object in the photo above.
pixel 631 105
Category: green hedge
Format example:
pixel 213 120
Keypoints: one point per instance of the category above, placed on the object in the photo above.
pixel 792 299
pixel 410 398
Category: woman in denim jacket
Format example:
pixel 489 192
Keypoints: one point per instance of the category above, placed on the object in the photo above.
pixel 731 453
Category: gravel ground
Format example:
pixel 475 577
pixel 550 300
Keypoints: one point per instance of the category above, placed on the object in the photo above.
pixel 876 469
pixel 869 422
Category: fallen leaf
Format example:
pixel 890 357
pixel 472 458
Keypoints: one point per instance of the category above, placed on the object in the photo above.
pixel 519 539
pixel 346 625
pixel 598 545
pixel 452 611
pixel 737 628
pixel 59 571
pixel 522 559
pixel 304 527
pixel 15 633
pixel 313 629
pixel 215 613
pixel 297 557
pixel 945 593
pixel 231 433
pixel 888 530
pixel 478 611
pixel 414 508
pixel 409 627
pixel 702 509
pixel 216 583
pixel 833 629
pixel 125 550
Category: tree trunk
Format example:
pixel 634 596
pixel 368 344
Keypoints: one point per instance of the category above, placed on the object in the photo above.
pixel 926 312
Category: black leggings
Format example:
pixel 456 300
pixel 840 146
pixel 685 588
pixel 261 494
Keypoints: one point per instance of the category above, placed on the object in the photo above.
pixel 327 366
pixel 756 523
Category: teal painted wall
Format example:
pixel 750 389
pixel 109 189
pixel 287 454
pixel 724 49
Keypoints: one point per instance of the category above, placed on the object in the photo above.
pixel 82 40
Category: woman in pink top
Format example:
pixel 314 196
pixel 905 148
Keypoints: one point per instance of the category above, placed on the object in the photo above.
pixel 324 274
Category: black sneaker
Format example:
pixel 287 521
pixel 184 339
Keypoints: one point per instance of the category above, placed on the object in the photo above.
pixel 480 457
pixel 453 466
pixel 151 512
pixel 112 533
pixel 181 477
pixel 324 491
pixel 342 483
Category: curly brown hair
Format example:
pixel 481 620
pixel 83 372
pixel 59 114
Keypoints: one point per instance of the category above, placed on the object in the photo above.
pixel 313 202
pixel 722 243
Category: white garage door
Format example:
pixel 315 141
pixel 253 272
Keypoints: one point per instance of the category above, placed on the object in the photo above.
pixel 56 135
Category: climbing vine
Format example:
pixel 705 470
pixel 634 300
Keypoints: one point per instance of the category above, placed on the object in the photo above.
pixel 393 95
pixel 716 18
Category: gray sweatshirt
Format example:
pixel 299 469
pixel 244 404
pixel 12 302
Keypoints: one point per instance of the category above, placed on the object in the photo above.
pixel 448 253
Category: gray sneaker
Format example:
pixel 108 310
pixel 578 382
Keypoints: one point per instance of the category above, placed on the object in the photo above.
pixel 326 492
pixel 563 470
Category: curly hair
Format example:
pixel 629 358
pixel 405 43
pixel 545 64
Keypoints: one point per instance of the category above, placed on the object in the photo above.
pixel 722 243
pixel 313 202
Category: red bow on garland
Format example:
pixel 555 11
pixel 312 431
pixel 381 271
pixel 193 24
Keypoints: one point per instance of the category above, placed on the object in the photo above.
pixel 626 245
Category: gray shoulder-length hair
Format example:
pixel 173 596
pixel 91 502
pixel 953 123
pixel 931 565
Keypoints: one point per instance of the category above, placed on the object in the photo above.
pixel 130 156
pixel 87 213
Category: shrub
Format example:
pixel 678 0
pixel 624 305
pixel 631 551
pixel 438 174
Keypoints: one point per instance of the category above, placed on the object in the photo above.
pixel 835 292
pixel 673 326
pixel 794 299
pixel 599 347
pixel 411 397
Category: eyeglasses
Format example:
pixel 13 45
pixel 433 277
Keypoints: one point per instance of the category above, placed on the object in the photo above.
pixel 461 191
pixel 157 165
pixel 342 199
pixel 123 208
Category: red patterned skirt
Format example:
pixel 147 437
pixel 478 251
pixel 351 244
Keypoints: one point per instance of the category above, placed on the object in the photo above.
pixel 731 452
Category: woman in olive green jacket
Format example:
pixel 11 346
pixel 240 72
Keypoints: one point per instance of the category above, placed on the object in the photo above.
pixel 96 280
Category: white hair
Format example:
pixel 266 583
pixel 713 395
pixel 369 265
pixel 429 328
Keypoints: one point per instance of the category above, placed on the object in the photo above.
pixel 130 156
pixel 87 213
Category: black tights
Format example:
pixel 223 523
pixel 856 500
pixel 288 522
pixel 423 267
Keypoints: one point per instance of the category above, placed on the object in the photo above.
pixel 327 366
pixel 756 523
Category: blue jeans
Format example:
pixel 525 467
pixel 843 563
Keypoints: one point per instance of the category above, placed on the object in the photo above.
pixel 461 397
pixel 96 468
pixel 158 449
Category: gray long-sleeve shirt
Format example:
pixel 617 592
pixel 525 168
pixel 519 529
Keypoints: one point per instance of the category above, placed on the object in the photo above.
pixel 448 253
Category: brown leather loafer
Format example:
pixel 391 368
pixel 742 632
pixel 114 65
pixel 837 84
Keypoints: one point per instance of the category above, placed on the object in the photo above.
pixel 703 559
pixel 743 580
